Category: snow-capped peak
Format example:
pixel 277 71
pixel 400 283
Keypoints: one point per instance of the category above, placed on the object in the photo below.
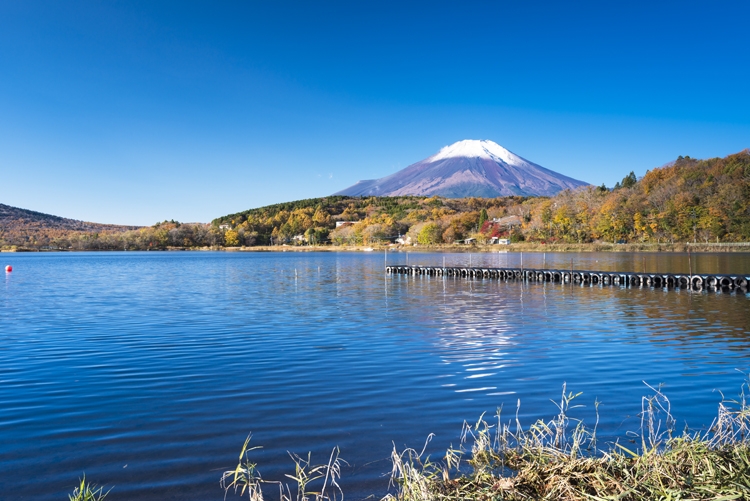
pixel 477 148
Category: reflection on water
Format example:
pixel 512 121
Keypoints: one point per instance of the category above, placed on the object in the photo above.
pixel 148 370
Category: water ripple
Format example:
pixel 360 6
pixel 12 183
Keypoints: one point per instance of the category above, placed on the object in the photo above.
pixel 148 370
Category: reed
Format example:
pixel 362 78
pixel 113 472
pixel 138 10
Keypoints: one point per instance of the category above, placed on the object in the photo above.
pixel 86 491
pixel 308 483
pixel 559 460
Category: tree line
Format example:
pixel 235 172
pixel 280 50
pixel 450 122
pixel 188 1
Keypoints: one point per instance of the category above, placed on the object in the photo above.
pixel 684 201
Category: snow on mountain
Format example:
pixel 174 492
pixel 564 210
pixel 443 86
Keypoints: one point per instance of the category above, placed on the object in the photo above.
pixel 469 168
pixel 473 148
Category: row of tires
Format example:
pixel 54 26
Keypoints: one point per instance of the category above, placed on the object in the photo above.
pixel 582 277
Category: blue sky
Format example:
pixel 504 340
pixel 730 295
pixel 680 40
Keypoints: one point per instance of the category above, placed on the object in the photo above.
pixel 134 112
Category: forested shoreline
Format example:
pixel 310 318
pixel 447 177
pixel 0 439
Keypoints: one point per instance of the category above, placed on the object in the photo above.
pixel 689 200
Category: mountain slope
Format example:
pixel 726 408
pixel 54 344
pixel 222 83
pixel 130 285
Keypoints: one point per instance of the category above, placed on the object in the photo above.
pixel 13 218
pixel 469 168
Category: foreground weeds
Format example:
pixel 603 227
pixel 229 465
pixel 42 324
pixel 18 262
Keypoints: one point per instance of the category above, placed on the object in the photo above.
pixel 308 483
pixel 558 460
pixel 85 491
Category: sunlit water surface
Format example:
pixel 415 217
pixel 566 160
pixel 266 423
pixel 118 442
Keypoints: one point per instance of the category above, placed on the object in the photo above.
pixel 147 371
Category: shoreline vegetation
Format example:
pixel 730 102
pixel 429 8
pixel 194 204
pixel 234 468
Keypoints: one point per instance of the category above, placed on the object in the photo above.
pixel 530 247
pixel 558 459
pixel 689 203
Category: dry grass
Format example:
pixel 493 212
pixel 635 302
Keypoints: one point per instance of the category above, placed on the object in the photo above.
pixel 558 460
pixel 246 479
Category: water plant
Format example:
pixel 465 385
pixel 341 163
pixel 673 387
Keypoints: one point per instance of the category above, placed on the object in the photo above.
pixel 558 460
pixel 86 491
pixel 246 478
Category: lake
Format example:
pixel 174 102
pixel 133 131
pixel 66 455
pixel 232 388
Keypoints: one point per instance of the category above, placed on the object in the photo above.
pixel 147 371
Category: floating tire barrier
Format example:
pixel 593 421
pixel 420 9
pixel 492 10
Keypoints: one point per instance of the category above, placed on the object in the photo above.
pixel 739 283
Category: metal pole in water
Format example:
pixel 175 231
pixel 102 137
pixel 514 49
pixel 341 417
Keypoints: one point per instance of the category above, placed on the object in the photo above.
pixel 522 261
pixel 571 272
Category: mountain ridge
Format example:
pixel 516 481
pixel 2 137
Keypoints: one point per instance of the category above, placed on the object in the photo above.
pixel 11 217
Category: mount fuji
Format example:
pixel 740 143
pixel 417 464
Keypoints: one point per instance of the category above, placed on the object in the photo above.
pixel 469 168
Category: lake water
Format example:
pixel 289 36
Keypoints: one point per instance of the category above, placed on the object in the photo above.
pixel 147 371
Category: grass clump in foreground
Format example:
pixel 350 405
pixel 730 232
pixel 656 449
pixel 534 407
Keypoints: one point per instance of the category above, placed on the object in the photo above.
pixel 559 460
pixel 87 491
pixel 550 460
pixel 246 479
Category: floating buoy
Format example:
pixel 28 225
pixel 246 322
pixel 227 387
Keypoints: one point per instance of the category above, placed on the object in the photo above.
pixel 8 269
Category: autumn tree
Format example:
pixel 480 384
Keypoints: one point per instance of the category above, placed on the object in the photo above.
pixel 430 234
pixel 231 238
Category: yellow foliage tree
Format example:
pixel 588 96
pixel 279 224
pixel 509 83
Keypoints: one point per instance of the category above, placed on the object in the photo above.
pixel 231 238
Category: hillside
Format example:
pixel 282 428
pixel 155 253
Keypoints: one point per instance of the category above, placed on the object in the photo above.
pixel 23 227
pixel 14 218
pixel 687 200
pixel 357 220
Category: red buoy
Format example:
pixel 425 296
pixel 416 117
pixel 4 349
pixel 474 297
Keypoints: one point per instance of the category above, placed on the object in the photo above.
pixel 8 269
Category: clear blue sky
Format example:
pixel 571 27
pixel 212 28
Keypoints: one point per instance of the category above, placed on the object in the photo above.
pixel 134 112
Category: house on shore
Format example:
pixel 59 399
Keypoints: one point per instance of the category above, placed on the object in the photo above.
pixel 507 222
pixel 500 241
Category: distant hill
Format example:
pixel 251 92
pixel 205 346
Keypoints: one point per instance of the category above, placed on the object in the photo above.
pixel 469 168
pixel 13 218
pixel 30 229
